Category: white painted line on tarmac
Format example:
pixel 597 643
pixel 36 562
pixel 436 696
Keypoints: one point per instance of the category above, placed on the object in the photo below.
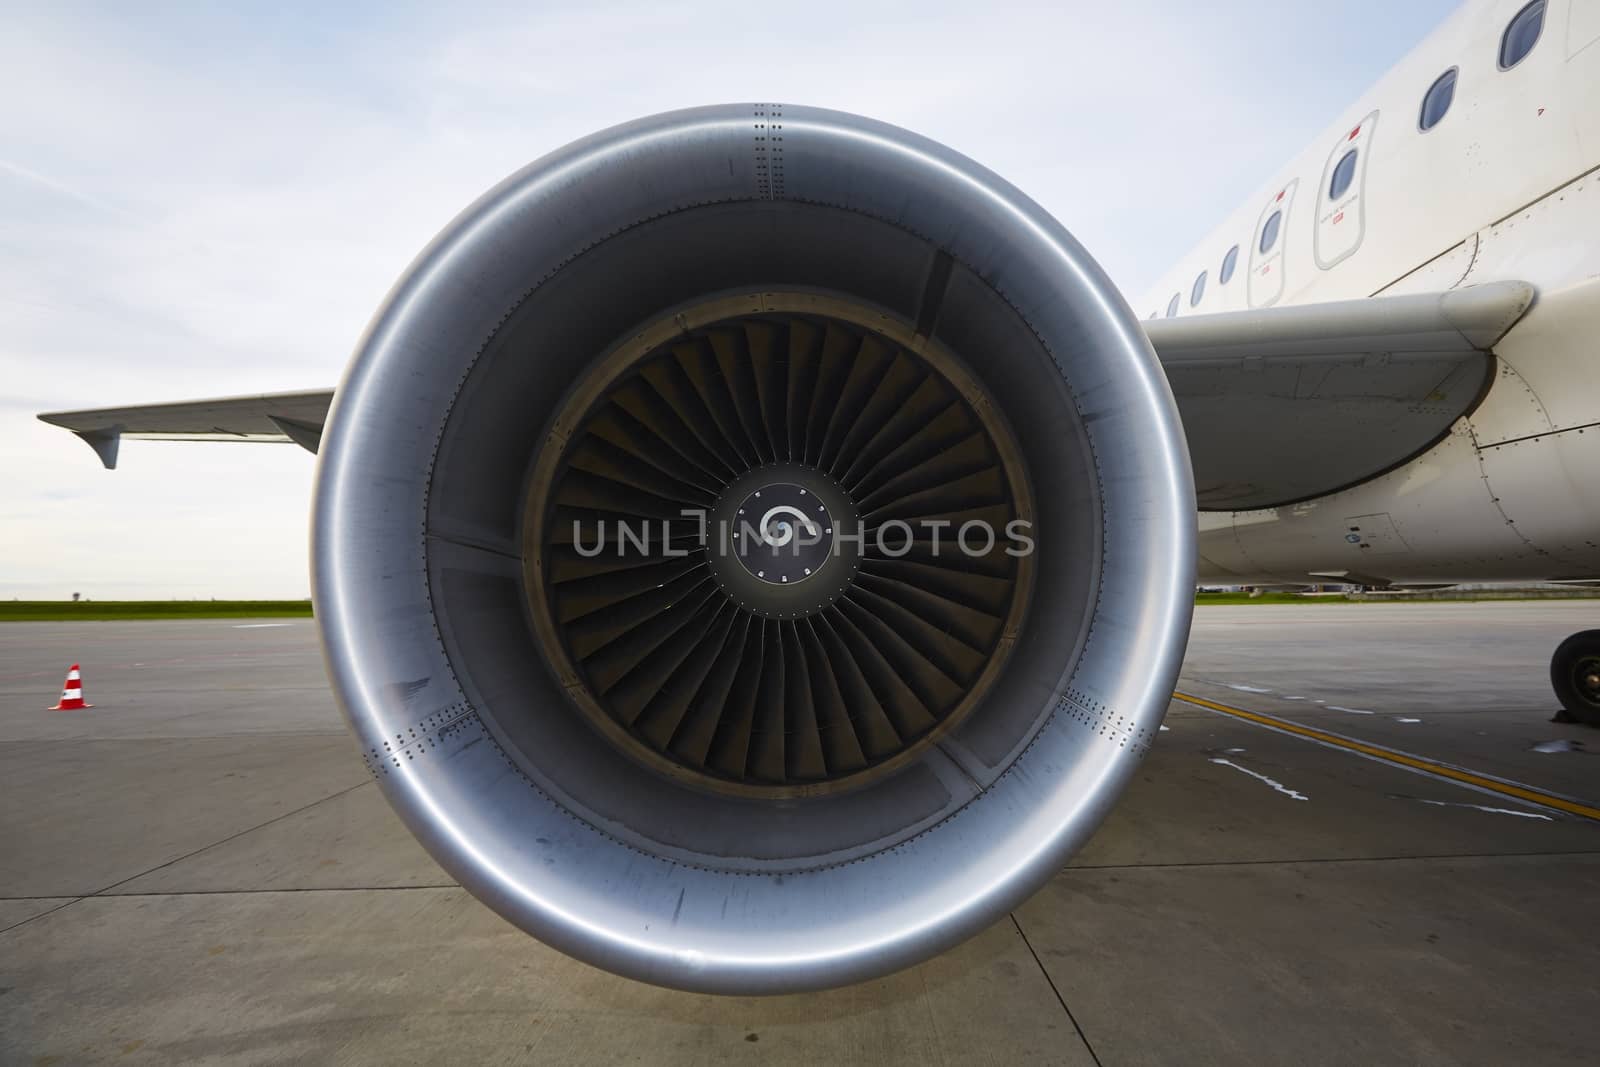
pixel 1485 807
pixel 1475 780
pixel 1353 711
pixel 1279 786
pixel 261 625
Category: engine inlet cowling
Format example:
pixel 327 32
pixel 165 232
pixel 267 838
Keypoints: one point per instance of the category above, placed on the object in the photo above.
pixel 753 546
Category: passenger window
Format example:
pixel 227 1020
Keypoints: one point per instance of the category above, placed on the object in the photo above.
pixel 1522 35
pixel 1199 289
pixel 1441 94
pixel 1269 232
pixel 1229 262
pixel 1172 308
pixel 1342 174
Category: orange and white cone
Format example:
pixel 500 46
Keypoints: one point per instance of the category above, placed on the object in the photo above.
pixel 71 693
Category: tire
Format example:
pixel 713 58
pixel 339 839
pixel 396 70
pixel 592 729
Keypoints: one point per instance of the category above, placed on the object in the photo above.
pixel 1573 672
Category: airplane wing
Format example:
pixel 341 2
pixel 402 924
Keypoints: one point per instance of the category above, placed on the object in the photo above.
pixel 1280 404
pixel 1288 403
pixel 272 417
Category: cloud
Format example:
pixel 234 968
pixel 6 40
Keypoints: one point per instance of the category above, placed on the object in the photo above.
pixel 198 202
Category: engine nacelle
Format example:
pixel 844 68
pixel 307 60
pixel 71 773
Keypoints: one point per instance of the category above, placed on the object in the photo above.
pixel 754 546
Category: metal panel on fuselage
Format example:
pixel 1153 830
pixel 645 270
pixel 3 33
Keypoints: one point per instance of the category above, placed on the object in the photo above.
pixel 1342 219
pixel 1269 250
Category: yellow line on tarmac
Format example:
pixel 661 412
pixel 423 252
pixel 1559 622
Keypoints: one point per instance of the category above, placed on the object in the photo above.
pixel 1388 755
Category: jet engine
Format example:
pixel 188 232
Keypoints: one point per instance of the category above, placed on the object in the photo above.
pixel 753 546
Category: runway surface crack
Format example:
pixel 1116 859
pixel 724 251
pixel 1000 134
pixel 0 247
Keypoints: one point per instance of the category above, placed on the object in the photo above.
pixel 42 914
pixel 231 837
pixel 188 855
pixel 1059 998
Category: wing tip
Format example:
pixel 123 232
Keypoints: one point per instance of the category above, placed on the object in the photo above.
pixel 104 443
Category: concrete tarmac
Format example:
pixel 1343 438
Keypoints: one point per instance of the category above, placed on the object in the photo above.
pixel 200 868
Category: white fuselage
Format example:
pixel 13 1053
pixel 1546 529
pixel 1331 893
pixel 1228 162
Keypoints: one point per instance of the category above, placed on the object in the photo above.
pixel 1504 186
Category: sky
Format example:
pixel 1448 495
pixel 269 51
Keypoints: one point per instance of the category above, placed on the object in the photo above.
pixel 197 202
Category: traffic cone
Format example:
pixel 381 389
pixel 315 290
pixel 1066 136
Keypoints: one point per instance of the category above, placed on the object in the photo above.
pixel 71 693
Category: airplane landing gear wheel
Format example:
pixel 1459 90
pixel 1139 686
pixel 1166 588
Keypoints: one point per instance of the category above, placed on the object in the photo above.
pixel 1575 674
